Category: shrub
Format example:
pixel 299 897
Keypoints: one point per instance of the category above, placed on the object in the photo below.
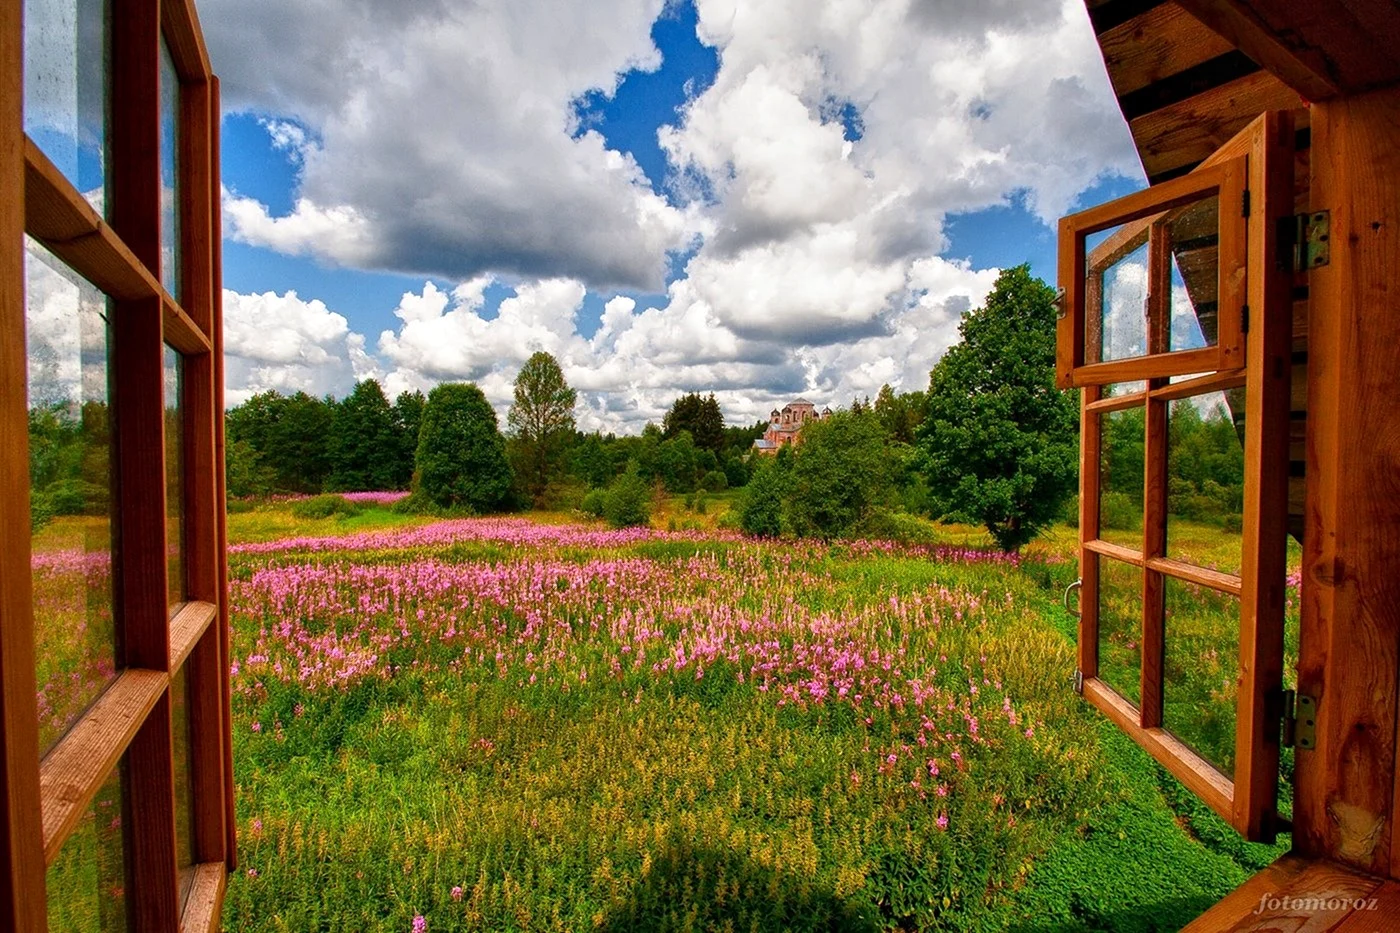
pixel 839 473
pixel 628 500
pixel 761 512
pixel 595 503
pixel 1118 511
pixel 461 459
pixel 324 506
pixel 886 525
pixel 714 481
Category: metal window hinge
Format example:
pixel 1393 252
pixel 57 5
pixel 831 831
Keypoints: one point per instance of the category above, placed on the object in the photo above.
pixel 1304 241
pixel 1299 721
pixel 1078 681
pixel 1244 205
pixel 1061 303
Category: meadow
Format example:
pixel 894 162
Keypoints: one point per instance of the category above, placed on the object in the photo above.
pixel 528 724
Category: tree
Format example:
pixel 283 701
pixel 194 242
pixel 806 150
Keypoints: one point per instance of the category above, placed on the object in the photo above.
pixel 839 473
pixel 408 417
pixel 701 417
pixel 628 500
pixel 363 443
pixel 290 434
pixel 761 511
pixel 674 463
pixel 541 420
pixel 1000 443
pixel 461 459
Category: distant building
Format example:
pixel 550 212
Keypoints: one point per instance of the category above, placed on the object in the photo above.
pixel 784 425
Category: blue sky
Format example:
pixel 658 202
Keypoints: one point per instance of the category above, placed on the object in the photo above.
pixel 791 219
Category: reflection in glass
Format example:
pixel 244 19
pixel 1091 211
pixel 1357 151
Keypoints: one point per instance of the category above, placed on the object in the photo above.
pixel 86 884
pixel 1205 480
pixel 174 475
pixel 65 89
pixel 1120 626
pixel 184 795
pixel 76 651
pixel 169 173
pixel 1115 326
pixel 1200 670
pixel 1121 477
pixel 1194 234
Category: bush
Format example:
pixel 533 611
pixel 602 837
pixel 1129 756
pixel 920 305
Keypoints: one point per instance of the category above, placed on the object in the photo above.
pixel 324 506
pixel 628 500
pixel 885 525
pixel 761 512
pixel 76 497
pixel 840 472
pixel 461 458
pixel 714 481
pixel 1118 511
pixel 595 503
pixel 239 506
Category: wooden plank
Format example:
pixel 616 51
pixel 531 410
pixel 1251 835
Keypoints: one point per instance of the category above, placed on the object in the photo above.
pixel 1090 436
pixel 1379 914
pixel 21 836
pixel 207 741
pixel 1149 367
pixel 1199 776
pixel 216 336
pixel 1263 566
pixel 187 628
pixel 180 331
pixel 1244 900
pixel 1069 326
pixel 1201 576
pixel 148 814
pixel 1350 651
pixel 196 168
pixel 67 225
pixel 1188 133
pixel 1314 901
pixel 1320 50
pixel 1211 382
pixel 1116 551
pixel 73 772
pixel 1160 43
pixel 1116 403
pixel 180 23
pixel 206 899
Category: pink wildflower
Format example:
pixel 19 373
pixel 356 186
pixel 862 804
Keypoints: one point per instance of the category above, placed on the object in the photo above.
pixel 942 821
pixel 457 892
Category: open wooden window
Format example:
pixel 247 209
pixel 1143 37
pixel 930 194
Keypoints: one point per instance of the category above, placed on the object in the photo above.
pixel 115 770
pixel 1176 324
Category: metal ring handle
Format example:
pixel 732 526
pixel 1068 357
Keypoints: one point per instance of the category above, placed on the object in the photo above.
pixel 1077 584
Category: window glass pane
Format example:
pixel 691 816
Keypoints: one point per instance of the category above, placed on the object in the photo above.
pixel 1205 480
pixel 86 884
pixel 184 796
pixel 1120 626
pixel 1201 669
pixel 174 475
pixel 1194 234
pixel 66 329
pixel 65 89
pixel 169 173
pixel 1115 325
pixel 1121 477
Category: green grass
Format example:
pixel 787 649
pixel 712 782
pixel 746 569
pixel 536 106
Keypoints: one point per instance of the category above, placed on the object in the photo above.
pixel 659 801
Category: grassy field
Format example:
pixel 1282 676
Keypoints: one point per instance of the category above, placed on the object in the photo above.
pixel 517 725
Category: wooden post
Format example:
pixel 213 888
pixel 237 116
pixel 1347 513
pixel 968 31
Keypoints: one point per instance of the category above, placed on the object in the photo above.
pixel 1350 643
pixel 21 834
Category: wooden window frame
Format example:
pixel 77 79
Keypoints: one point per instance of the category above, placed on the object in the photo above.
pixel 1263 154
pixel 1228 180
pixel 41 801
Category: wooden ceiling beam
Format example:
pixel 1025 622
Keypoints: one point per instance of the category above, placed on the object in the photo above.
pixel 1321 50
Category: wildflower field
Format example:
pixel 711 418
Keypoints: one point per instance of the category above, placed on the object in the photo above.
pixel 506 724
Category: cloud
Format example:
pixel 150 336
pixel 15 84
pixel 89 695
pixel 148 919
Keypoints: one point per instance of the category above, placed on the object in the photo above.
pixel 627 373
pixel 282 342
pixel 445 135
pixel 810 184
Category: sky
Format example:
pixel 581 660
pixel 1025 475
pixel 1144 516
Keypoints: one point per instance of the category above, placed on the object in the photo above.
pixel 757 199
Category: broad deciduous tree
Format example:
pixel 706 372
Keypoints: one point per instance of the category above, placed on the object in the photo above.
pixel 461 461
pixel 541 420
pixel 1000 443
